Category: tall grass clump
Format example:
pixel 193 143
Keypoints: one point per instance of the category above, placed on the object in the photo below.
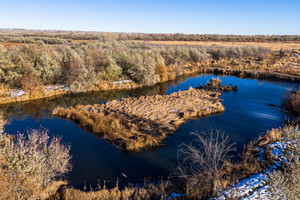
pixel 292 102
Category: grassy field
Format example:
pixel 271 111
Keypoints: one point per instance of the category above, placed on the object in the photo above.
pixel 274 46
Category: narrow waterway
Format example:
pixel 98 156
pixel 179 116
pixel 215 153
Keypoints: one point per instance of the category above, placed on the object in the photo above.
pixel 255 108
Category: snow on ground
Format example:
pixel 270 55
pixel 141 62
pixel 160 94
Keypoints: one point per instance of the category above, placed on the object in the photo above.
pixel 121 82
pixel 57 87
pixel 17 93
pixel 245 187
pixel 257 186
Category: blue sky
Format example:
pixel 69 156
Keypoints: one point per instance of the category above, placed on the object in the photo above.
pixel 156 16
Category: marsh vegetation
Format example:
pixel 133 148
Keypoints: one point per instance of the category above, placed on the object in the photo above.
pixel 34 165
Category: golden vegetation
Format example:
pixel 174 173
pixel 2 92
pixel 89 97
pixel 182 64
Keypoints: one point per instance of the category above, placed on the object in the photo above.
pixel 136 123
pixel 292 102
pixel 286 182
pixel 207 170
pixel 274 46
pixel 215 85
pixel 147 192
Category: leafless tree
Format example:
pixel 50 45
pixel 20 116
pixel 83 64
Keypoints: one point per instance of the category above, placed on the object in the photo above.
pixel 200 162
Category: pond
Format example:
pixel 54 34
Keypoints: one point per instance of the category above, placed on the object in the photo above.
pixel 255 108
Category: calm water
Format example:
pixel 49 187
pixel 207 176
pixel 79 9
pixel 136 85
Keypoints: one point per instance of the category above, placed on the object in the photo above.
pixel 253 109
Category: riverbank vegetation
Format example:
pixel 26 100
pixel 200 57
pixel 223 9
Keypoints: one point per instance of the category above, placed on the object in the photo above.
pixel 92 64
pixel 32 167
pixel 32 164
pixel 84 65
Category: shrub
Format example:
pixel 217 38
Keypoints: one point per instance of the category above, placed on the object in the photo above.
pixel 38 158
pixel 31 85
pixel 142 69
pixel 292 102
pixel 202 161
pixel 198 55
pixel 111 72
pixel 75 72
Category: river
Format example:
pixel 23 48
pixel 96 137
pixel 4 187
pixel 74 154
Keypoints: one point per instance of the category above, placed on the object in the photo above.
pixel 255 108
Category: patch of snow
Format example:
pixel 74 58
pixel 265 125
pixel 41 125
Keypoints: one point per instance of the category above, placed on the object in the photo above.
pixel 121 82
pixel 256 186
pixel 245 187
pixel 56 87
pixel 16 93
pixel 261 193
pixel 278 152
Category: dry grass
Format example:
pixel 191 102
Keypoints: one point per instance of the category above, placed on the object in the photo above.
pixel 274 46
pixel 144 122
pixel 199 184
pixel 202 161
pixel 286 182
pixel 292 102
pixel 249 163
pixel 149 191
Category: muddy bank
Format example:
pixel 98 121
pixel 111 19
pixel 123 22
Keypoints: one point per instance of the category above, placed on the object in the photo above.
pixel 144 122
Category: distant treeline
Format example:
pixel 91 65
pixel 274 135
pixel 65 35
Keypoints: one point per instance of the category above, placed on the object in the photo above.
pixel 83 65
pixel 64 37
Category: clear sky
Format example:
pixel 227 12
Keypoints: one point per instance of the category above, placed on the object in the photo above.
pixel 155 16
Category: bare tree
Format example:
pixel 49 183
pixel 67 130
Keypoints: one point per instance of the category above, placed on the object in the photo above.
pixel 201 161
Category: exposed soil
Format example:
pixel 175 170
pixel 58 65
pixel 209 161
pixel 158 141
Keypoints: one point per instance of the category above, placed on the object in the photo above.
pixel 144 122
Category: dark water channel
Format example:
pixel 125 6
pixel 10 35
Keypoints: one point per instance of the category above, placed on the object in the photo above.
pixel 253 109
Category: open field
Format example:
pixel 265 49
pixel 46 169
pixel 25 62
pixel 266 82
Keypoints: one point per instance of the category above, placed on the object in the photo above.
pixel 274 46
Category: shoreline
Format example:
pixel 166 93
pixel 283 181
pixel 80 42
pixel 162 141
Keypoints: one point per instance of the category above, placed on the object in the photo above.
pixel 197 69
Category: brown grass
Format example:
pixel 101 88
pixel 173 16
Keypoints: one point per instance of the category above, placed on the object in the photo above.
pixel 292 102
pixel 274 46
pixel 249 163
pixel 149 191
pixel 144 122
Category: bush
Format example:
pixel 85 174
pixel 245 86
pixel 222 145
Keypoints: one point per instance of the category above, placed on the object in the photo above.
pixel 202 161
pixel 198 55
pixel 75 72
pixel 31 85
pixel 38 158
pixel 111 72
pixel 292 102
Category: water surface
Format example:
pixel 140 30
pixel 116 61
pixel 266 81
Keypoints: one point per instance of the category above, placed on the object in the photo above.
pixel 252 110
